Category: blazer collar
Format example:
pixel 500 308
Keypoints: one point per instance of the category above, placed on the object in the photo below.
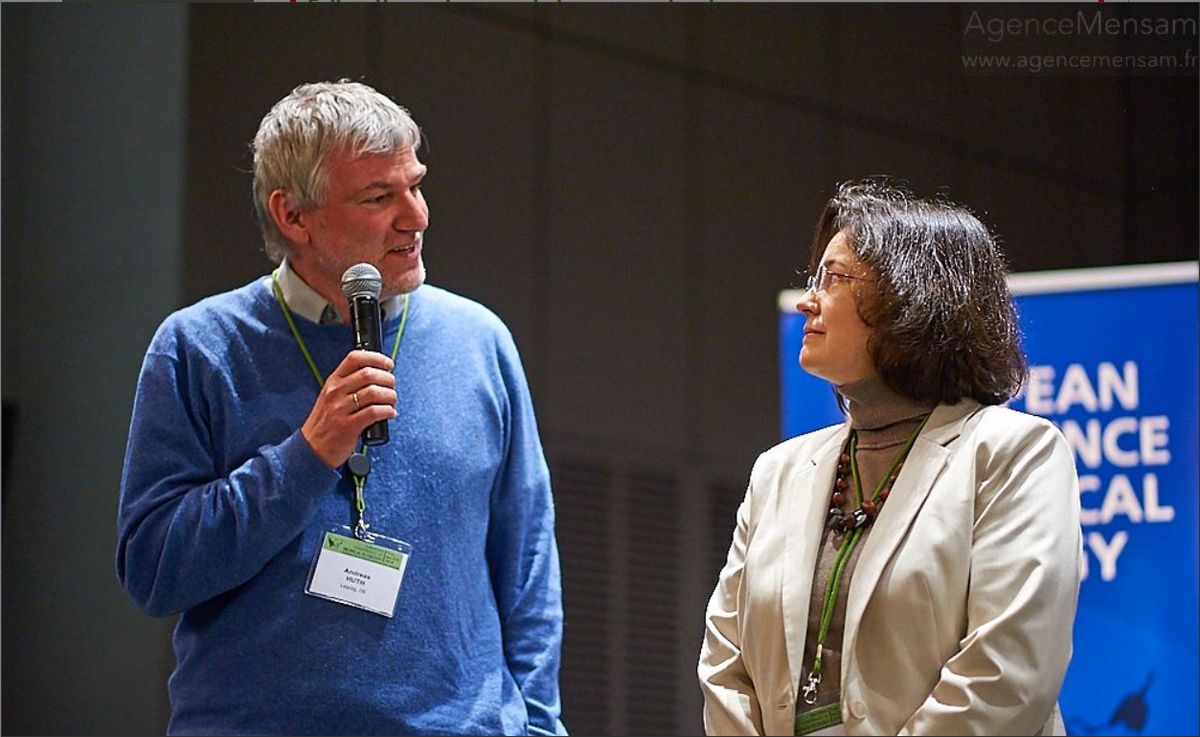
pixel 812 481
pixel 807 506
pixel 921 469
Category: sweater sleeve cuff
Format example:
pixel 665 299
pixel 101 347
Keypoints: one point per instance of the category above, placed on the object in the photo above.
pixel 299 467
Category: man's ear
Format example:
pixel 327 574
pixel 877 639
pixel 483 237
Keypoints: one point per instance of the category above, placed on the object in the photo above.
pixel 291 222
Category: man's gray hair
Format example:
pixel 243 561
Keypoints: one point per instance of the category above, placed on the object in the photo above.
pixel 298 135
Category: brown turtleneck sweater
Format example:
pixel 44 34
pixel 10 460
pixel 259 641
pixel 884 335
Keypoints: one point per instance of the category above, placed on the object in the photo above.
pixel 884 421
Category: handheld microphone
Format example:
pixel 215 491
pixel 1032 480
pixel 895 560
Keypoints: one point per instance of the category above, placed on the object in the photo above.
pixel 362 285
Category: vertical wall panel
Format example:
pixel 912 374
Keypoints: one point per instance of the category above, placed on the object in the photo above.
pixel 584 501
pixel 617 253
pixel 654 589
pixel 93 202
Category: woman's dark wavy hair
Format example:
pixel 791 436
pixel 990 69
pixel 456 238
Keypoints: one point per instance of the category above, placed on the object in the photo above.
pixel 944 323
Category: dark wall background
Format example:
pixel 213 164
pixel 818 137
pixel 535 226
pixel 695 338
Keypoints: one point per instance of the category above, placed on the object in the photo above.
pixel 628 186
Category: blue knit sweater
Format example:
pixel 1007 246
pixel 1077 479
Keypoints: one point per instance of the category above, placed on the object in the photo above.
pixel 223 505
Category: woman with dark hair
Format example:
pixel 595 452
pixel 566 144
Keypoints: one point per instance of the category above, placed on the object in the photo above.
pixel 914 570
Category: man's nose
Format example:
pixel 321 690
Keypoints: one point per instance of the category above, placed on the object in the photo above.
pixel 413 215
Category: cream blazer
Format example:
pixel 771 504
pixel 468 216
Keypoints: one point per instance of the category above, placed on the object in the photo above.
pixel 960 610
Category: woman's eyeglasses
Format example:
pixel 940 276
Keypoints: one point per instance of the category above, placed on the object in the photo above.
pixel 821 280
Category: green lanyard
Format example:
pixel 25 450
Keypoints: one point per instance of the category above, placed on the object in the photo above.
pixel 360 479
pixel 833 586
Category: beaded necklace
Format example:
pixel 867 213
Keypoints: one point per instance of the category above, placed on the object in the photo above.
pixel 854 525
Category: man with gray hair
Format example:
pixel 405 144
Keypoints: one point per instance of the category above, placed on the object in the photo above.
pixel 327 586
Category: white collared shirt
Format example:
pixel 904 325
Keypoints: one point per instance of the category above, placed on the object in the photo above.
pixel 304 301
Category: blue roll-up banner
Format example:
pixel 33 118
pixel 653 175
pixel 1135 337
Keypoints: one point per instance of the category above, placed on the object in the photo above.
pixel 1113 363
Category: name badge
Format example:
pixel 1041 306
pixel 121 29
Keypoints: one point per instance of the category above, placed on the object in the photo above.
pixel 359 573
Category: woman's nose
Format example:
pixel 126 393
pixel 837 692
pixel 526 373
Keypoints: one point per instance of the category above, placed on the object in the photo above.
pixel 808 303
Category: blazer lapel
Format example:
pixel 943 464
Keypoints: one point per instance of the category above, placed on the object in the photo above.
pixel 924 464
pixel 804 508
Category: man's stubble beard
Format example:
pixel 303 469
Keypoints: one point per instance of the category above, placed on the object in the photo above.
pixel 409 282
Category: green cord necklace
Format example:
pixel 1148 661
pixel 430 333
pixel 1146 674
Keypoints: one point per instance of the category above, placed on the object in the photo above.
pixel 359 465
pixel 854 524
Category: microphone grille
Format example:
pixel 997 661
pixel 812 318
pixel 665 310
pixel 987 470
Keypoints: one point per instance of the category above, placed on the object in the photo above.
pixel 362 280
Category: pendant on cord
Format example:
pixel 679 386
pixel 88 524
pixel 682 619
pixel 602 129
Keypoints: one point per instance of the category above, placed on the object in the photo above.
pixel 359 464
